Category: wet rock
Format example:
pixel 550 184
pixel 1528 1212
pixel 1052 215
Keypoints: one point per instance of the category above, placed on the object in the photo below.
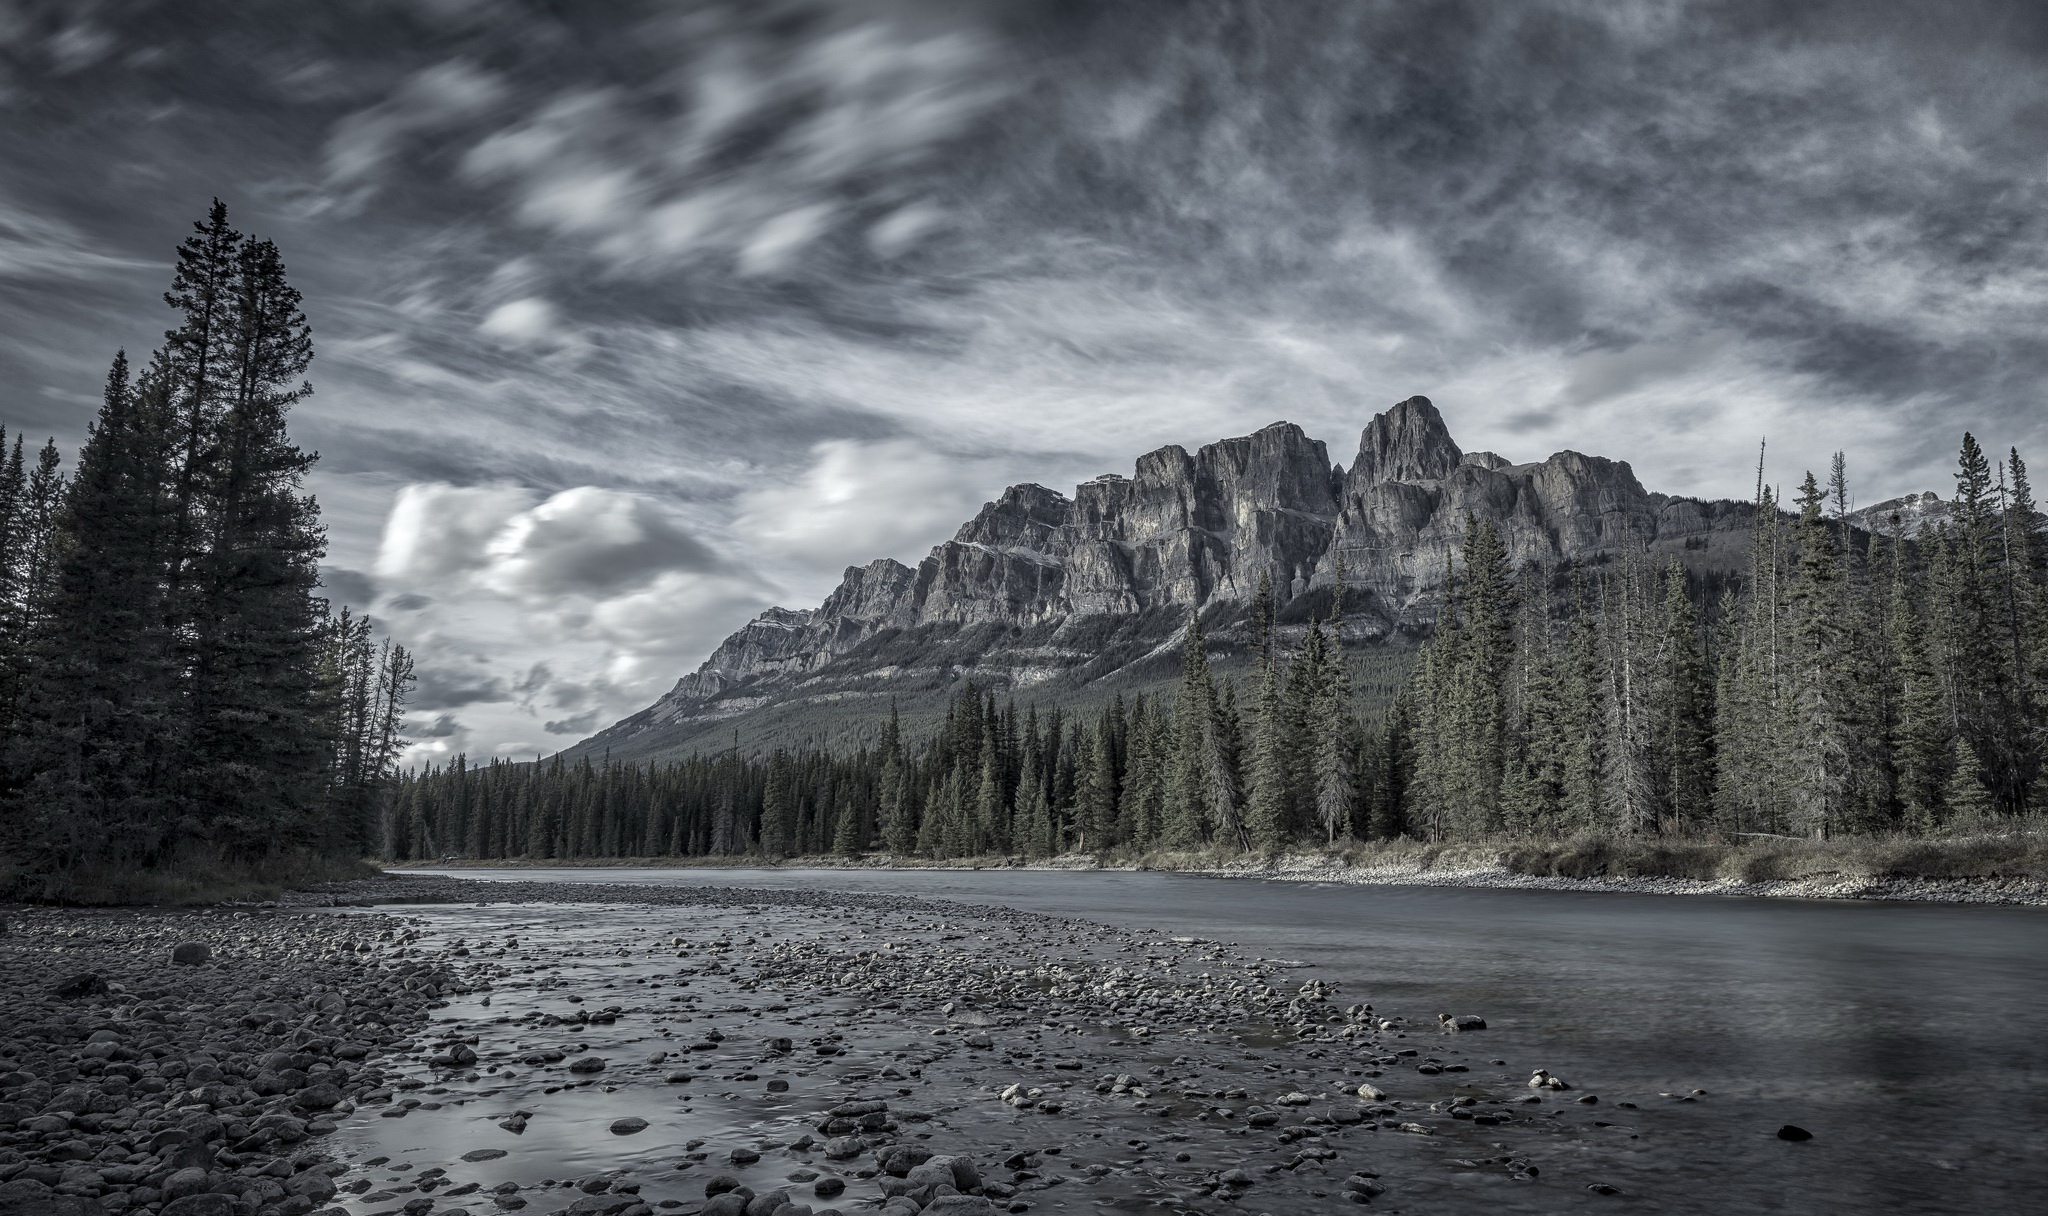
pixel 1458 1024
pixel 311 1184
pixel 843 1148
pixel 461 1055
pixel 588 1064
pixel 827 1187
pixel 26 1197
pixel 731 1203
pixel 959 1205
pixel 899 1159
pixel 719 1184
pixel 1794 1133
pixel 1371 1092
pixel 744 1156
pixel 483 1154
pixel 629 1126
pixel 206 1203
pixel 191 954
pixel 73 987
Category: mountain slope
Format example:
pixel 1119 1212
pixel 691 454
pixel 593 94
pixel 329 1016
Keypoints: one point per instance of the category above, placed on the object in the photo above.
pixel 1068 600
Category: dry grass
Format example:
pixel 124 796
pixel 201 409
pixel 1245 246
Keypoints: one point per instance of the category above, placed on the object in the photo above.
pixel 2004 849
pixel 207 881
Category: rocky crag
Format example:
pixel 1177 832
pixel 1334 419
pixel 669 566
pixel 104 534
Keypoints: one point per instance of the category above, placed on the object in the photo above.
pixel 1062 595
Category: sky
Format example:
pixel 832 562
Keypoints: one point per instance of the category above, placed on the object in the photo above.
pixel 634 317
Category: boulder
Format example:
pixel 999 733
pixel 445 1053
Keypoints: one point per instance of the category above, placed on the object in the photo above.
pixel 83 984
pixel 191 954
pixel 26 1197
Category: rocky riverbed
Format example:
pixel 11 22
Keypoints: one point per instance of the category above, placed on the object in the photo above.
pixel 620 1051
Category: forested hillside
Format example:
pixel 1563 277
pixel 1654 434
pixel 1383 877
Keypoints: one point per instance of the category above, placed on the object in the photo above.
pixel 177 703
pixel 1851 682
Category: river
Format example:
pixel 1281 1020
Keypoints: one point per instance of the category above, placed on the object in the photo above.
pixel 1905 1037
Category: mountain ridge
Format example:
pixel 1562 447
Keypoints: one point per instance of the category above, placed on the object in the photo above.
pixel 1047 592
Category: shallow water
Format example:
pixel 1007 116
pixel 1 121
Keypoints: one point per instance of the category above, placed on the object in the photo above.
pixel 1903 1036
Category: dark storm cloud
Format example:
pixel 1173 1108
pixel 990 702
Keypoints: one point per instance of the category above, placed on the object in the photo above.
pixel 632 314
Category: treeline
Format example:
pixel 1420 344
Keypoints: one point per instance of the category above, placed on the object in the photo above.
pixel 1849 682
pixel 173 692
pixel 1858 682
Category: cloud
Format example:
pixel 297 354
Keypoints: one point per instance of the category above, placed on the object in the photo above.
pixel 34 246
pixel 429 100
pixel 857 501
pixel 527 321
pixel 747 147
pixel 591 541
pixel 535 614
pixel 442 688
pixel 342 586
pixel 436 532
pixel 580 725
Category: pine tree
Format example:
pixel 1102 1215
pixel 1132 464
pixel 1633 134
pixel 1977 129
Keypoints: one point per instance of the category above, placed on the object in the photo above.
pixel 778 807
pixel 1682 732
pixel 1333 746
pixel 99 671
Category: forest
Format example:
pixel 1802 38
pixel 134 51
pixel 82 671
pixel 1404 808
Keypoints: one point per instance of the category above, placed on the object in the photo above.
pixel 178 704
pixel 1849 683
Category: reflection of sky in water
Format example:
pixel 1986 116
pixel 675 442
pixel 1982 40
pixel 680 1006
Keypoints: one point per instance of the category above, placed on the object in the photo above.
pixel 1900 1034
pixel 568 1135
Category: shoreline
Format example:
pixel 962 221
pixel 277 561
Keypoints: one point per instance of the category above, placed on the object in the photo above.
pixel 1463 868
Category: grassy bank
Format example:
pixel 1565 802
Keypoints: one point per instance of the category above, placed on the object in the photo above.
pixel 2016 850
pixel 206 881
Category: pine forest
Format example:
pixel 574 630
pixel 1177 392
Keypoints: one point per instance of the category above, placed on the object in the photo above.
pixel 178 704
pixel 1848 683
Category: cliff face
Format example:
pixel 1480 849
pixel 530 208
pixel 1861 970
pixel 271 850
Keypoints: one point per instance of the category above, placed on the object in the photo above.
pixel 1043 589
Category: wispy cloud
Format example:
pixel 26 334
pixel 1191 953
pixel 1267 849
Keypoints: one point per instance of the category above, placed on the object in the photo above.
pixel 635 318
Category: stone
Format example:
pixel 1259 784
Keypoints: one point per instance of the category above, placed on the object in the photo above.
pixel 719 1184
pixel 827 1187
pixel 483 1154
pixel 959 1205
pixel 74 987
pixel 188 1181
pixel 1460 1024
pixel 587 1064
pixel 206 1203
pixel 191 954
pixel 26 1197
pixel 313 1184
pixel 1371 1092
pixel 632 1125
pixel 1794 1133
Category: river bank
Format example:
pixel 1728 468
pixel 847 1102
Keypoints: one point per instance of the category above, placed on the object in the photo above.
pixel 194 1062
pixel 1988 868
pixel 786 1048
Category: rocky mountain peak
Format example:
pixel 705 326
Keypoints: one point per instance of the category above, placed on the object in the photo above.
pixel 1407 443
pixel 1042 589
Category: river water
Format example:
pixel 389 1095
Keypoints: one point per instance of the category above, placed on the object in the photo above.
pixel 1906 1037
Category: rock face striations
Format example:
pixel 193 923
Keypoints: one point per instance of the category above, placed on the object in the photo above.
pixel 1042 589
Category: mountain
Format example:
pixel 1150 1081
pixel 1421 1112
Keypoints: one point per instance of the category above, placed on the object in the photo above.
pixel 1064 600
pixel 1909 516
